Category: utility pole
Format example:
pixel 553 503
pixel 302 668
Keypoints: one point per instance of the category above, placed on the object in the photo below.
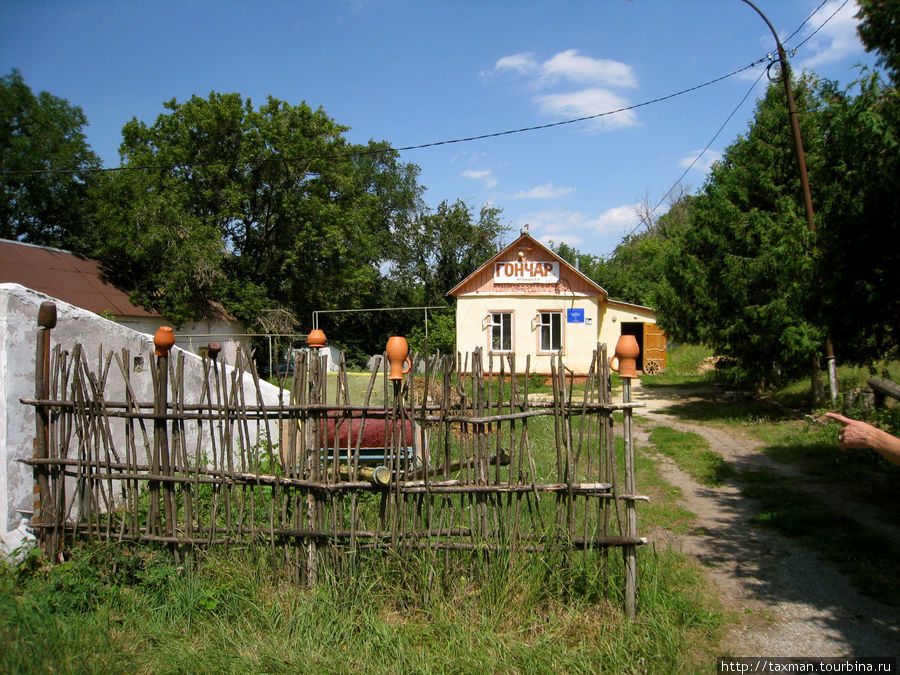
pixel 807 195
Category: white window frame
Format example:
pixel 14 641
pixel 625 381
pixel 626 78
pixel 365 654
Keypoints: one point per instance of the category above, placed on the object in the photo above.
pixel 546 324
pixel 496 323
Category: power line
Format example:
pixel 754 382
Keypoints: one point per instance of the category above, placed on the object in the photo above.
pixel 800 27
pixel 702 152
pixel 372 151
pixel 734 111
pixel 824 23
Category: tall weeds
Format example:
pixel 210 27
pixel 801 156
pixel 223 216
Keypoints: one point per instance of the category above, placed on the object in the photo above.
pixel 122 608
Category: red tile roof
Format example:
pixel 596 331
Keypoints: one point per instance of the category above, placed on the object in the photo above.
pixel 64 276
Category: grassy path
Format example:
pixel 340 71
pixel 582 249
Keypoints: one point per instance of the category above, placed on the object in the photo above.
pixel 754 518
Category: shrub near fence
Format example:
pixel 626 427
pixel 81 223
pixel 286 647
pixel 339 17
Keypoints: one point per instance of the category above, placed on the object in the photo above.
pixel 456 471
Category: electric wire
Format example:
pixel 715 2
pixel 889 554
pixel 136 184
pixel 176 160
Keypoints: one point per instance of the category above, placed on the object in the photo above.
pixel 466 139
pixel 823 24
pixel 734 111
pixel 702 152
pixel 374 151
pixel 800 27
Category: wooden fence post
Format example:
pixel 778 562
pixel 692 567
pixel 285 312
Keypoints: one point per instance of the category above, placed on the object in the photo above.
pixel 44 509
pixel 163 341
pixel 630 514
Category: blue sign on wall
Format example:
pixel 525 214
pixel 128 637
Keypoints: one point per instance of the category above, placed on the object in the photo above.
pixel 575 315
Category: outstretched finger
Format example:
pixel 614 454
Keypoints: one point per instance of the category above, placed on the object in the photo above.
pixel 839 418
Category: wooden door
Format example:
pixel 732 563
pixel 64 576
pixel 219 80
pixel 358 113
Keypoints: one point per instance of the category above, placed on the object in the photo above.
pixel 654 347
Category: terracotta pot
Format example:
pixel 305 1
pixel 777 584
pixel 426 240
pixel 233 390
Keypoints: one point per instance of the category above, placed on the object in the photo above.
pixel 627 351
pixel 47 315
pixel 398 354
pixel 316 338
pixel 163 340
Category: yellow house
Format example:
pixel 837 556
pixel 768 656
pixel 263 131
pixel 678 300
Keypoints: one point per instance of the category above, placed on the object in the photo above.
pixel 528 300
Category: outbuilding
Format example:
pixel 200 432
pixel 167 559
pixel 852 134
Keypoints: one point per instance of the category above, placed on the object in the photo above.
pixel 79 281
pixel 528 300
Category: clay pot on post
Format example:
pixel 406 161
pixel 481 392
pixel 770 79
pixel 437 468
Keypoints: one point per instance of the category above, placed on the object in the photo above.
pixel 163 340
pixel 398 354
pixel 627 351
pixel 316 339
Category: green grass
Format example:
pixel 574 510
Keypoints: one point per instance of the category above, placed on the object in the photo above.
pixel 137 612
pixel 120 608
pixel 829 528
pixel 663 510
pixel 870 562
pixel 358 383
pixel 812 447
pixel 687 359
pixel 684 366
pixel 692 455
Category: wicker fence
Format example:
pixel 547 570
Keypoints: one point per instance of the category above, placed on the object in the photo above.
pixel 466 458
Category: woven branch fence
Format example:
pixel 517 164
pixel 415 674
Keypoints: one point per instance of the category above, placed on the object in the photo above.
pixel 467 459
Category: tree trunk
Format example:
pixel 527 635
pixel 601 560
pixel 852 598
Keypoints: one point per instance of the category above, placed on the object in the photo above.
pixel 817 389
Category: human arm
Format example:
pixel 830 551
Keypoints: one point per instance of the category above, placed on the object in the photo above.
pixel 857 434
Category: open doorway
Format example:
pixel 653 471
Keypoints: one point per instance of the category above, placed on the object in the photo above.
pixel 636 328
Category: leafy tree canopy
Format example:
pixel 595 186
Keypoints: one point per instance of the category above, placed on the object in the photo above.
pixel 880 31
pixel 859 205
pixel 432 251
pixel 261 208
pixel 742 274
pixel 438 249
pixel 46 166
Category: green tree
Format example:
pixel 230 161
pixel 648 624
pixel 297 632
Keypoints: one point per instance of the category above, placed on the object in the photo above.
pixel 593 267
pixel 441 334
pixel 635 270
pixel 46 167
pixel 858 201
pixel 437 250
pixel 880 31
pixel 742 274
pixel 281 211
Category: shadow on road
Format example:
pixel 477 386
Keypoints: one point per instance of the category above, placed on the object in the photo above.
pixel 815 609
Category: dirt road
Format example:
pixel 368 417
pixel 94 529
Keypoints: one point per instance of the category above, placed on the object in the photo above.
pixel 789 601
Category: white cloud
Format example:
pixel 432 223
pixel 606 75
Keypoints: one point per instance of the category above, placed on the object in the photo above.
pixel 590 234
pixel 545 191
pixel 704 163
pixel 569 65
pixel 595 77
pixel 551 240
pixel 523 64
pixel 556 223
pixel 837 39
pixel 590 102
pixel 484 175
pixel 619 220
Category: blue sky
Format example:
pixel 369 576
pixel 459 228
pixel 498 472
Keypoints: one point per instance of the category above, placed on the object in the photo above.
pixel 417 72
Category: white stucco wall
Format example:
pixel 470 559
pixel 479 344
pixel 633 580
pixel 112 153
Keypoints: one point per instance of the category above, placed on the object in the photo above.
pixel 602 325
pixel 613 315
pixel 18 333
pixel 197 334
pixel 579 339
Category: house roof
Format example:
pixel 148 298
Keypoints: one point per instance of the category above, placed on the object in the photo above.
pixel 526 241
pixel 65 276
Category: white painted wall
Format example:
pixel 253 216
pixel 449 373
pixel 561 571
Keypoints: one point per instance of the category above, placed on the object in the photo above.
pixel 197 334
pixel 614 314
pixel 579 339
pixel 98 336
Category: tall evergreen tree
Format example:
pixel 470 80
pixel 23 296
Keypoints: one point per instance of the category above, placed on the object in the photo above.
pixel 743 273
